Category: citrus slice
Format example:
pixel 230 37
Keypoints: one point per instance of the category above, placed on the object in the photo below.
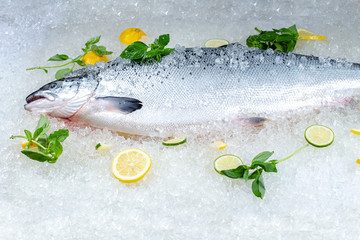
pixel 306 34
pixel 226 162
pixel 214 43
pixel 102 147
pixel 355 131
pixel 174 141
pixel 92 58
pixel 32 145
pixel 319 136
pixel 358 161
pixel 220 144
pixel 131 165
pixel 130 35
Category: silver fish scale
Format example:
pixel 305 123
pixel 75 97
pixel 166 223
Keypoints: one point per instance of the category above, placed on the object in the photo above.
pixel 218 84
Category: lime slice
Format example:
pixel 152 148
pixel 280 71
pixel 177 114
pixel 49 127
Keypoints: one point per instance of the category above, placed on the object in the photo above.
pixel 226 162
pixel 319 136
pixel 355 131
pixel 214 43
pixel 174 141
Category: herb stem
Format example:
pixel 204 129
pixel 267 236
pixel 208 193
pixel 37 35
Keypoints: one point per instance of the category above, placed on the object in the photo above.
pixel 33 141
pixel 12 137
pixel 72 61
pixel 258 30
pixel 296 152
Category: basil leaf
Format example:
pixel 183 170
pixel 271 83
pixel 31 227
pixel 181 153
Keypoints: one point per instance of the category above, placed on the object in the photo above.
pixel 163 40
pixel 36 155
pixel 258 187
pixel 59 135
pixel 28 135
pixel 60 74
pixel 59 57
pixel 262 157
pixel 149 54
pixel 134 51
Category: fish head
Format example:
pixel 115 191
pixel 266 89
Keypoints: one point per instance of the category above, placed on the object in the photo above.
pixel 60 98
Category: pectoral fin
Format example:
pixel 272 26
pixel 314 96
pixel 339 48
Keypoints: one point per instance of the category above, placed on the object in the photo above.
pixel 124 104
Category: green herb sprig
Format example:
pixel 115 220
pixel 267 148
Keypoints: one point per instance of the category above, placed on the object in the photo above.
pixel 49 147
pixel 140 51
pixel 254 172
pixel 90 46
pixel 283 40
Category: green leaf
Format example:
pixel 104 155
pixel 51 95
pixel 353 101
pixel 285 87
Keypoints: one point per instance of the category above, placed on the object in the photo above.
pixel 36 155
pixel 59 135
pixel 246 175
pixel 236 172
pixel 167 51
pixel 151 53
pixel 163 40
pixel 267 166
pixel 262 157
pixel 81 63
pixel 57 149
pixel 255 174
pixel 28 135
pixel 45 70
pixel 97 146
pixel 60 74
pixel 38 132
pixel 135 50
pixel 59 57
pixel 158 57
pixel 93 41
pixel 44 123
pixel 258 187
pixel 44 141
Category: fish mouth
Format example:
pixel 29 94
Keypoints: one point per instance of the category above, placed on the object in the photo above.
pixel 37 99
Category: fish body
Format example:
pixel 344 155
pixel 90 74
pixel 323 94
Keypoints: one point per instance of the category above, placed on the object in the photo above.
pixel 196 87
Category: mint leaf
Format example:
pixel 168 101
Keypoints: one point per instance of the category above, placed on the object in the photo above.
pixel 163 40
pixel 80 63
pixel 258 187
pixel 93 41
pixel 267 166
pixel 255 174
pixel 262 157
pixel 38 132
pixel 59 135
pixel 59 57
pixel 167 51
pixel 236 172
pixel 44 123
pixel 36 155
pixel 60 74
pixel 246 175
pixel 28 135
pixel 57 149
pixel 134 51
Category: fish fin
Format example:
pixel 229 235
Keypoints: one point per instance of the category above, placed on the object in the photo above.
pixel 124 104
pixel 253 121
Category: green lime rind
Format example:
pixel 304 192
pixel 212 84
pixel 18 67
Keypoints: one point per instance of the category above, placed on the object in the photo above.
pixel 174 142
pixel 319 145
pixel 226 155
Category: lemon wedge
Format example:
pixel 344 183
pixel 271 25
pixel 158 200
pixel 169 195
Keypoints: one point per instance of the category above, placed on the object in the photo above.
pixel 131 165
pixel 358 161
pixel 214 43
pixel 319 136
pixel 226 162
pixel 130 35
pixel 220 145
pixel 32 145
pixel 355 131
pixel 306 34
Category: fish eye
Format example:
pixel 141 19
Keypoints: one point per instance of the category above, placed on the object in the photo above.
pixel 52 85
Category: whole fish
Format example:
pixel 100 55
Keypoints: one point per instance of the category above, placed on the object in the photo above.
pixel 194 88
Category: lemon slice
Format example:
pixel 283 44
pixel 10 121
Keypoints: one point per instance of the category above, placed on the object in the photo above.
pixel 92 58
pixel 131 165
pixel 355 131
pixel 226 162
pixel 358 161
pixel 319 136
pixel 174 141
pixel 130 35
pixel 214 43
pixel 32 145
pixel 306 34
pixel 220 145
